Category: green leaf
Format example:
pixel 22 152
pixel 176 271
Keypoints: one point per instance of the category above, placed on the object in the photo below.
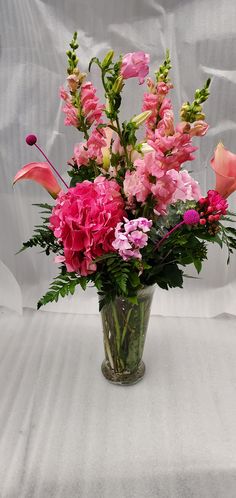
pixel 134 279
pixel 198 264
pixel 62 285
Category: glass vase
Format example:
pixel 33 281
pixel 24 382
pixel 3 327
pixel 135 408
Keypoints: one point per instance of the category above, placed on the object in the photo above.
pixel 124 332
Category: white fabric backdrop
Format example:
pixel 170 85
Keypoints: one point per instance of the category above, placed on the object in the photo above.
pixel 201 37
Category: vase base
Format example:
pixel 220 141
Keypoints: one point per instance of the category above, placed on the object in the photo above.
pixel 123 378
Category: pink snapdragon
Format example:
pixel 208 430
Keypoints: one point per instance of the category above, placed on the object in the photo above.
pixel 71 113
pixel 91 149
pixel 131 236
pixel 166 187
pixel 155 100
pixel 84 220
pixel 91 107
pixel 135 64
pixel 172 150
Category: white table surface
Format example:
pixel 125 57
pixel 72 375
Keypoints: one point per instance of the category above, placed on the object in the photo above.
pixel 65 432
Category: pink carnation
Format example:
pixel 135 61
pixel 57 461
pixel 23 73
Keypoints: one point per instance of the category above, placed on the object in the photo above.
pixel 213 206
pixel 135 64
pixel 84 220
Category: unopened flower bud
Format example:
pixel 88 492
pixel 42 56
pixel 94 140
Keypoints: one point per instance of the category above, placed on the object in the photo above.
pixel 140 118
pixel 118 85
pixel 146 148
pixel 107 59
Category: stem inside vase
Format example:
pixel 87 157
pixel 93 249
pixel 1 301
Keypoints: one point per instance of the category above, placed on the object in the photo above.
pixel 124 329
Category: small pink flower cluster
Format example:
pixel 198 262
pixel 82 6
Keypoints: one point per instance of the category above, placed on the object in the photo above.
pixel 135 64
pixel 149 177
pixel 213 207
pixel 131 236
pixel 84 220
pixel 91 108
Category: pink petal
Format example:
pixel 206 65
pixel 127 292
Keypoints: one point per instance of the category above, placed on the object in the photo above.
pixel 224 165
pixel 40 173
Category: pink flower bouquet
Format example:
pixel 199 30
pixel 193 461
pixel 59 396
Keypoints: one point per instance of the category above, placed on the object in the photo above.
pixel 131 216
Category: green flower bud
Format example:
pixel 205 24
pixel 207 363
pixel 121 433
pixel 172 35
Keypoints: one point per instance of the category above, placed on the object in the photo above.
pixel 140 118
pixel 107 59
pixel 118 85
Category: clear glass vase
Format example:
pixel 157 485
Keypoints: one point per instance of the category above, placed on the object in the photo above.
pixel 124 332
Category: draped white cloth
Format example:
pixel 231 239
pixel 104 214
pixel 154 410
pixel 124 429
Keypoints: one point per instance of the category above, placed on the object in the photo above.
pixel 35 35
pixel 65 432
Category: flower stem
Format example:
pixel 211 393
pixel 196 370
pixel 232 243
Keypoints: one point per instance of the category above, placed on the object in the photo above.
pixel 108 350
pixel 169 233
pixel 141 328
pixel 117 327
pixel 53 167
pixel 126 325
pixel 121 142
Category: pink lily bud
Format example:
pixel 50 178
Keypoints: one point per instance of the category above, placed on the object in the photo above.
pixel 40 173
pixel 224 165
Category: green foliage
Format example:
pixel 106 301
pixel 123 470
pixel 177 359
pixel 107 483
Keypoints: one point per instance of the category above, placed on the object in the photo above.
pixel 116 277
pixel 129 133
pixel 62 285
pixel 82 173
pixel 193 112
pixel 228 237
pixel 42 235
pixel 180 249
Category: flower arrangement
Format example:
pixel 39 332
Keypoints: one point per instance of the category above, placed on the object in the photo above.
pixel 131 215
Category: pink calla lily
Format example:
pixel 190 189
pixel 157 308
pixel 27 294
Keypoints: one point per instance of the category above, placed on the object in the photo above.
pixel 40 173
pixel 224 165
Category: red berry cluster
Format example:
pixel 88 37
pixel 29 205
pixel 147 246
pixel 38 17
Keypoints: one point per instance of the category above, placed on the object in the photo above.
pixel 212 207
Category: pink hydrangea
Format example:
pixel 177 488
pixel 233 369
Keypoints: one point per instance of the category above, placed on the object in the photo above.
pixel 186 188
pixel 84 220
pixel 131 236
pixel 135 64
